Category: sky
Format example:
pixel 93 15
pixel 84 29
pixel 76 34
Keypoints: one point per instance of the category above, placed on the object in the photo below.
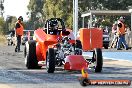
pixel 16 8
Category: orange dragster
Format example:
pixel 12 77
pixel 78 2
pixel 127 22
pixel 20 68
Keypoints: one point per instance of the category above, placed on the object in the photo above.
pixel 54 46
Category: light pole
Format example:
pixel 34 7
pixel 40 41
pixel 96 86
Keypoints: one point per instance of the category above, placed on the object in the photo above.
pixel 75 17
pixel 130 10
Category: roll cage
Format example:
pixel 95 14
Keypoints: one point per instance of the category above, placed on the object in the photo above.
pixel 51 29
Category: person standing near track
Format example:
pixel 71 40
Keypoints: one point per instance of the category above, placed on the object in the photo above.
pixel 121 34
pixel 115 38
pixel 19 33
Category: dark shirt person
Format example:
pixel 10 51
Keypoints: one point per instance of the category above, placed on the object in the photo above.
pixel 19 32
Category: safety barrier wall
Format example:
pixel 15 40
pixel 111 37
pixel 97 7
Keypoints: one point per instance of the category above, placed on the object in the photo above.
pixel 91 38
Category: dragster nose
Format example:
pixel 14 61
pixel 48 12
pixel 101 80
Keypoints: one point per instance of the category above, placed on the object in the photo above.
pixel 75 62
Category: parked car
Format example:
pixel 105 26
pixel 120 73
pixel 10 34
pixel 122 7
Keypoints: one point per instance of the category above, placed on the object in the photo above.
pixel 27 35
pixel 11 38
pixel 106 39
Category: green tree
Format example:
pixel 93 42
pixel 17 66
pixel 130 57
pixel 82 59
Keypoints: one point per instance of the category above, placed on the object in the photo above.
pixel 116 4
pixel 53 8
pixel 35 10
pixel 59 9
pixel 10 23
pixel 68 12
pixel 2 23
pixel 1 7
pixel 64 9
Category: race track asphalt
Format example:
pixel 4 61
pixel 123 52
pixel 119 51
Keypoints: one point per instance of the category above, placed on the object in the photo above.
pixel 13 73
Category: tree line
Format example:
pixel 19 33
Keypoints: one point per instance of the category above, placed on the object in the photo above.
pixel 40 10
pixel 64 9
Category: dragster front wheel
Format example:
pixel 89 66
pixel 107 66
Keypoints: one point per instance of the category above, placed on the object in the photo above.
pixel 31 61
pixel 50 60
pixel 97 60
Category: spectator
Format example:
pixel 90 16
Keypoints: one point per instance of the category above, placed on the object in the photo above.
pixel 121 34
pixel 19 32
pixel 128 34
pixel 114 31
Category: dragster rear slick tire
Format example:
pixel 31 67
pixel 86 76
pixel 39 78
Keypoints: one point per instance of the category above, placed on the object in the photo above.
pixel 50 60
pixel 30 55
pixel 98 59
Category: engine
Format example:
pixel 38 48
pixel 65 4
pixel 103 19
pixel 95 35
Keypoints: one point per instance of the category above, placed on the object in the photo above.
pixel 64 48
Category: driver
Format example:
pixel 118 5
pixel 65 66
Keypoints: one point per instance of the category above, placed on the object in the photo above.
pixel 54 27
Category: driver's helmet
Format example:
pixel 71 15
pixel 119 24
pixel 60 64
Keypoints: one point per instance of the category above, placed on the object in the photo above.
pixel 53 23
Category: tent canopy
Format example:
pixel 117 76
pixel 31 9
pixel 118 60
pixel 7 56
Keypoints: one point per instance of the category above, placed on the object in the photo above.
pixel 106 12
